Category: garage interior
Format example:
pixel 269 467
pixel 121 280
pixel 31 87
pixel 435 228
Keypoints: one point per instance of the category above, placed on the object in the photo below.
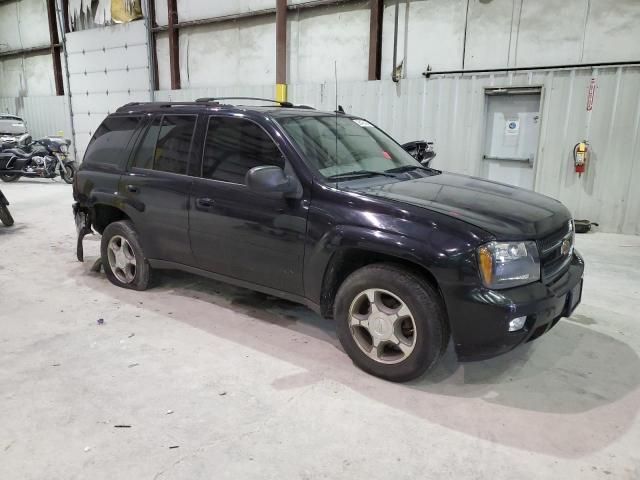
pixel 200 379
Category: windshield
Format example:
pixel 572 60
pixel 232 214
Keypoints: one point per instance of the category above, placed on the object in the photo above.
pixel 12 126
pixel 361 148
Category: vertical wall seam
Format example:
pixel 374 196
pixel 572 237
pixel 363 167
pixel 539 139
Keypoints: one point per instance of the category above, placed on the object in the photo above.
pixel 635 159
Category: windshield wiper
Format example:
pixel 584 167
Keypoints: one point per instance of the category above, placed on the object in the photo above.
pixel 410 168
pixel 360 173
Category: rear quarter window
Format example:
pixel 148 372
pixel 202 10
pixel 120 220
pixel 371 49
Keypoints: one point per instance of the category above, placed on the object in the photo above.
pixel 109 144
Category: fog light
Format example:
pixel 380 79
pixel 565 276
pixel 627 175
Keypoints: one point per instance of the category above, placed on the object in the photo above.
pixel 517 323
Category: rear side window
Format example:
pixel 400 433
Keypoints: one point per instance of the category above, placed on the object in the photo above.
pixel 167 144
pixel 234 146
pixel 111 139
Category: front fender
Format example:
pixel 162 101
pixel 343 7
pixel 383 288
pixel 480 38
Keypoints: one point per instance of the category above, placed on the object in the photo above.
pixel 442 254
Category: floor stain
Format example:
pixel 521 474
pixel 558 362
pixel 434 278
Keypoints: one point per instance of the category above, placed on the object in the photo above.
pixel 583 319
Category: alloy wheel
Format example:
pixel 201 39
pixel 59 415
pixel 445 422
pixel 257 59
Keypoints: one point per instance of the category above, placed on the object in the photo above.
pixel 382 326
pixel 122 259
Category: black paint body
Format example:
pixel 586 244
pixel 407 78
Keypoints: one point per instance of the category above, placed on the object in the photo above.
pixel 291 247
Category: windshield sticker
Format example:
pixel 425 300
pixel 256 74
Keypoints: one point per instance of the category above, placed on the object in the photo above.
pixel 362 123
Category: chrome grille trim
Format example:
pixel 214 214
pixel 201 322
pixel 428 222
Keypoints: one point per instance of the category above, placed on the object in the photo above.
pixel 553 262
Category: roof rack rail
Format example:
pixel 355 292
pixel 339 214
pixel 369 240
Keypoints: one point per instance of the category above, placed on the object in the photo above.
pixel 130 105
pixel 210 100
pixel 216 99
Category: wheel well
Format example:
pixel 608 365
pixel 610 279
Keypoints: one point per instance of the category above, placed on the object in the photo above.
pixel 103 215
pixel 345 262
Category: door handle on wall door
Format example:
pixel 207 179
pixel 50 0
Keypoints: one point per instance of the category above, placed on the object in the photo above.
pixel 205 202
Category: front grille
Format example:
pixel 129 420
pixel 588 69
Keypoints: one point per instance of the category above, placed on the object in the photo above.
pixel 554 262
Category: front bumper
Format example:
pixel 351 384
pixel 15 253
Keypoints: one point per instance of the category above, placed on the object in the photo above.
pixel 479 317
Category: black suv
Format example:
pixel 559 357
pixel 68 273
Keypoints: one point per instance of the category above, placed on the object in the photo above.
pixel 327 210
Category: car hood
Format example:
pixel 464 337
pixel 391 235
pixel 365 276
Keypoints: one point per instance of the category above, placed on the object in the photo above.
pixel 507 212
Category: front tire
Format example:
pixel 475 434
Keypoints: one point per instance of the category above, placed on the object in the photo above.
pixel 391 322
pixel 5 216
pixel 69 173
pixel 123 259
pixel 10 177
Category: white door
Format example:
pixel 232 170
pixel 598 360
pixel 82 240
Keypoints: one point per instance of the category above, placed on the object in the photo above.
pixel 511 142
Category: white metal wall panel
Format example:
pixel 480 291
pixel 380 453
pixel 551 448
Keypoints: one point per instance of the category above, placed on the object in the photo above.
pixel 23 24
pixel 612 31
pixel 450 111
pixel 429 33
pixel 219 8
pixel 320 37
pixel 541 41
pixel 28 75
pixel 161 12
pixel 44 115
pixel 108 67
pixel 240 52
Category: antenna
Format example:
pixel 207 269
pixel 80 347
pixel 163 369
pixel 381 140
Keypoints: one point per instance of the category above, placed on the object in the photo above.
pixel 335 70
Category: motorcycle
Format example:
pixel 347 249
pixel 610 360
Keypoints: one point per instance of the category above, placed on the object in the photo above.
pixel 421 150
pixel 5 215
pixel 44 158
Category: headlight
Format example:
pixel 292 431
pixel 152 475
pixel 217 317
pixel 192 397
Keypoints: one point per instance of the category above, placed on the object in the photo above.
pixel 508 264
pixel 64 148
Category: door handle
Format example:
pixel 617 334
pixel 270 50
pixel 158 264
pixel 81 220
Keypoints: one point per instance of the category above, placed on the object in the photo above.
pixel 205 202
pixel 132 189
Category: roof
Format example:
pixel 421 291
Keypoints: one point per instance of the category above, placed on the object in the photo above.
pixel 280 109
pixel 11 116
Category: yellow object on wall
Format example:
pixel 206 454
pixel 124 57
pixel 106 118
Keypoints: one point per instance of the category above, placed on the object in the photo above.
pixel 281 92
pixel 123 11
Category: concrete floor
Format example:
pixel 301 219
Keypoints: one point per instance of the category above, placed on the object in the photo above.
pixel 247 386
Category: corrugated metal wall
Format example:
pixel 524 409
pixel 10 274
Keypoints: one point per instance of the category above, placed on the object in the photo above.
pixel 48 115
pixel 450 111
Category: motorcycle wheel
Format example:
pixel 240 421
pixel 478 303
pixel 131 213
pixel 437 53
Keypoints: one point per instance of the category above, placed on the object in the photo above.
pixel 5 216
pixel 9 177
pixel 69 173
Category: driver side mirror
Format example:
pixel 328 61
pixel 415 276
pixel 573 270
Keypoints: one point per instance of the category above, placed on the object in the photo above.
pixel 271 181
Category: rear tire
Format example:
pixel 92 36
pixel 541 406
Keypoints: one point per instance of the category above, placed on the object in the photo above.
pixel 5 216
pixel 406 320
pixel 10 177
pixel 120 248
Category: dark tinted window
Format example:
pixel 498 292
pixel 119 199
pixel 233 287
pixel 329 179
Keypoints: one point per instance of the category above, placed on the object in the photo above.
pixel 110 140
pixel 234 146
pixel 166 145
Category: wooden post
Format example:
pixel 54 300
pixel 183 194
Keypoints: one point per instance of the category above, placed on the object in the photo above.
pixel 55 46
pixel 174 44
pixel 375 39
pixel 281 50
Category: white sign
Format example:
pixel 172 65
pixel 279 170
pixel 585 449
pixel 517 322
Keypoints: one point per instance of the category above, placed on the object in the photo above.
pixel 512 127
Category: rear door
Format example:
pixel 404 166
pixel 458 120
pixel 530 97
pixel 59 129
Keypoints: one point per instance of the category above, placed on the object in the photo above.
pixel 234 231
pixel 157 186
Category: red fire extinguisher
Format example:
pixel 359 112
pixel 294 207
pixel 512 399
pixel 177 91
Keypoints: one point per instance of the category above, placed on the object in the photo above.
pixel 580 155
